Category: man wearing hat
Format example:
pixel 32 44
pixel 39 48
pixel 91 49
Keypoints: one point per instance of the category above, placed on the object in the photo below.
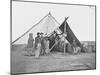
pixel 74 45
pixel 30 44
pixel 42 43
pixel 37 45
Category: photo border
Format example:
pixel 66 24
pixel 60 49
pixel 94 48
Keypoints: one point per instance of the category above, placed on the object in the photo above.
pixel 58 4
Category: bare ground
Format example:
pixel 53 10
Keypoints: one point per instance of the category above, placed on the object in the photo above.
pixel 51 62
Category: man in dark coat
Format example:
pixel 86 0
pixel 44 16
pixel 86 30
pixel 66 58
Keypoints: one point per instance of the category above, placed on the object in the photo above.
pixel 37 39
pixel 30 41
pixel 30 44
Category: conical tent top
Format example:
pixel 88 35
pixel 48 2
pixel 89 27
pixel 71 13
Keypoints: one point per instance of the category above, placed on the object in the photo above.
pixel 49 14
pixel 66 18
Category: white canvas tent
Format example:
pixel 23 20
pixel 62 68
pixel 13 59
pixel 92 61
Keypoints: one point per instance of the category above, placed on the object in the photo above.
pixel 46 25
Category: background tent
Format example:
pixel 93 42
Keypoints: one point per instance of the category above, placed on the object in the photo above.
pixel 46 25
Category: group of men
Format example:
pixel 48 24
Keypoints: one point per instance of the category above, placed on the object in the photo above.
pixel 41 45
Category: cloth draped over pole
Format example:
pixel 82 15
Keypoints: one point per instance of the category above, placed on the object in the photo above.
pixel 70 35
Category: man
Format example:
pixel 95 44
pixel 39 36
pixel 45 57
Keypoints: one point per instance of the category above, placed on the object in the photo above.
pixel 30 44
pixel 42 44
pixel 74 46
pixel 85 47
pixel 69 48
pixel 37 45
pixel 47 50
pixel 30 41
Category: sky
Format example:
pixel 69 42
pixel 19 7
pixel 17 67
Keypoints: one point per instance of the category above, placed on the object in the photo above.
pixel 81 18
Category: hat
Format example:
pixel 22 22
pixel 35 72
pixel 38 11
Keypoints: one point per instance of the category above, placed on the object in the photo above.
pixel 38 33
pixel 41 33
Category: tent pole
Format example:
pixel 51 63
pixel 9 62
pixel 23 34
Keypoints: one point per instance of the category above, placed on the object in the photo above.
pixel 64 37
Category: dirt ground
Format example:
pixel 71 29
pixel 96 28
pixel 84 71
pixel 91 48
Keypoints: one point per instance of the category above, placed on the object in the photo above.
pixel 51 62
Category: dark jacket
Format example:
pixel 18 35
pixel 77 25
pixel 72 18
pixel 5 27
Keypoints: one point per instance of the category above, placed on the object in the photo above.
pixel 30 42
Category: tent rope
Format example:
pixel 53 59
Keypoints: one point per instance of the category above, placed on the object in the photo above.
pixel 55 20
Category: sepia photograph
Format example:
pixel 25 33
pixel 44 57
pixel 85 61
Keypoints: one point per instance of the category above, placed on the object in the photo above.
pixel 52 37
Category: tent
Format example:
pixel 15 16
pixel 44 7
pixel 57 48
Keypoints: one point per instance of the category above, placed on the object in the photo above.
pixel 46 25
pixel 49 25
pixel 65 28
pixel 70 36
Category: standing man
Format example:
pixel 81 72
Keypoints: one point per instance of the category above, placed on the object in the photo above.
pixel 42 44
pixel 30 44
pixel 37 45
pixel 30 41
pixel 47 50
pixel 74 46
